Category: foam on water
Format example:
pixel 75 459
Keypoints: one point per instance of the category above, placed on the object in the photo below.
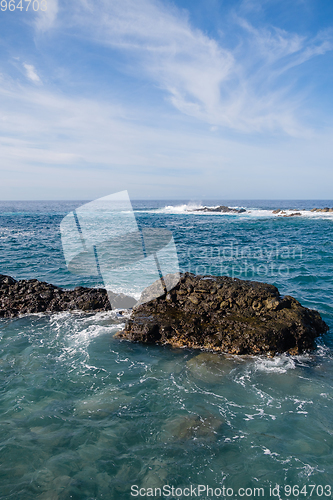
pixel 191 208
pixel 251 211
pixel 278 364
pixel 88 400
pixel 184 208
pixel 86 415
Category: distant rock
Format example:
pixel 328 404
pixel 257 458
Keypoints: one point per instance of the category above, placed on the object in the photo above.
pixel 33 296
pixel 326 209
pixel 221 208
pixel 284 214
pixel 292 215
pixel 225 315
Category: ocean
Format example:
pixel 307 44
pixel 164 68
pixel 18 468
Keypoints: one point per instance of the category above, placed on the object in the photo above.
pixel 86 416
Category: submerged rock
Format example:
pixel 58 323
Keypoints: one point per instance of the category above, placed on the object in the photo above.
pixel 226 315
pixel 33 296
pixel 156 475
pixel 184 427
pixel 210 367
pixel 101 404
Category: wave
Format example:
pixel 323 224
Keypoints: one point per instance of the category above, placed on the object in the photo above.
pixel 278 364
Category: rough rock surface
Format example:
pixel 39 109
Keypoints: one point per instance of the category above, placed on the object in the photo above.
pixel 326 209
pixel 225 315
pixel 33 296
pixel 292 215
pixel 283 213
pixel 221 208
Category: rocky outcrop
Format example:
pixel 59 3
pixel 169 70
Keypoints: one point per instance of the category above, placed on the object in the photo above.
pixel 281 212
pixel 284 214
pixel 221 208
pixel 292 215
pixel 219 314
pixel 225 315
pixel 278 211
pixel 326 209
pixel 33 296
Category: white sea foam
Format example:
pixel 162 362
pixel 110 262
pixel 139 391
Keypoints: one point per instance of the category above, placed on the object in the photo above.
pixel 192 207
pixel 269 452
pixel 8 233
pixel 308 214
pixel 184 208
pixel 77 331
pixel 251 212
pixel 278 364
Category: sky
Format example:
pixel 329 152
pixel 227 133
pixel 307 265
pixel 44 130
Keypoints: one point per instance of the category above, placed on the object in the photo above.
pixel 187 99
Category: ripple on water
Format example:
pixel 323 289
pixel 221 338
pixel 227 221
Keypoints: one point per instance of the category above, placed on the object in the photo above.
pixel 84 415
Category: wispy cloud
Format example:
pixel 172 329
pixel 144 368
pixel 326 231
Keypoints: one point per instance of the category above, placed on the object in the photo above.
pixel 233 88
pixel 31 73
pixel 55 146
pixel 46 19
pixel 53 140
pixel 278 48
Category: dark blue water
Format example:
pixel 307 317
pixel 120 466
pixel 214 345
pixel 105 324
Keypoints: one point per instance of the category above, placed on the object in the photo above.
pixel 86 416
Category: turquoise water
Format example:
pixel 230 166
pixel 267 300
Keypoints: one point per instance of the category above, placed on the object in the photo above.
pixel 86 416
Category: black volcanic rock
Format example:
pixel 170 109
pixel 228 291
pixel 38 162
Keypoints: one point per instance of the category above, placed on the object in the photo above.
pixel 33 296
pixel 225 315
pixel 222 209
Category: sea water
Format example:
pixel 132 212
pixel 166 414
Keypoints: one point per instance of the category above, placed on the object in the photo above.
pixel 86 416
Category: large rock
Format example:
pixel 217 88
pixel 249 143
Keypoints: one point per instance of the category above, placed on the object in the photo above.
pixel 33 296
pixel 225 315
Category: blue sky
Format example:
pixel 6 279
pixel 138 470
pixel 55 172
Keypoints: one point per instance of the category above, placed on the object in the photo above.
pixel 170 100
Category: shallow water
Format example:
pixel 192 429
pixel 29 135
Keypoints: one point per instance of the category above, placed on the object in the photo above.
pixel 85 416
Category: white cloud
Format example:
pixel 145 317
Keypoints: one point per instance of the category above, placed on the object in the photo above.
pixel 52 146
pixel 31 73
pixel 75 147
pixel 272 44
pixel 46 19
pixel 281 50
pixel 231 88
